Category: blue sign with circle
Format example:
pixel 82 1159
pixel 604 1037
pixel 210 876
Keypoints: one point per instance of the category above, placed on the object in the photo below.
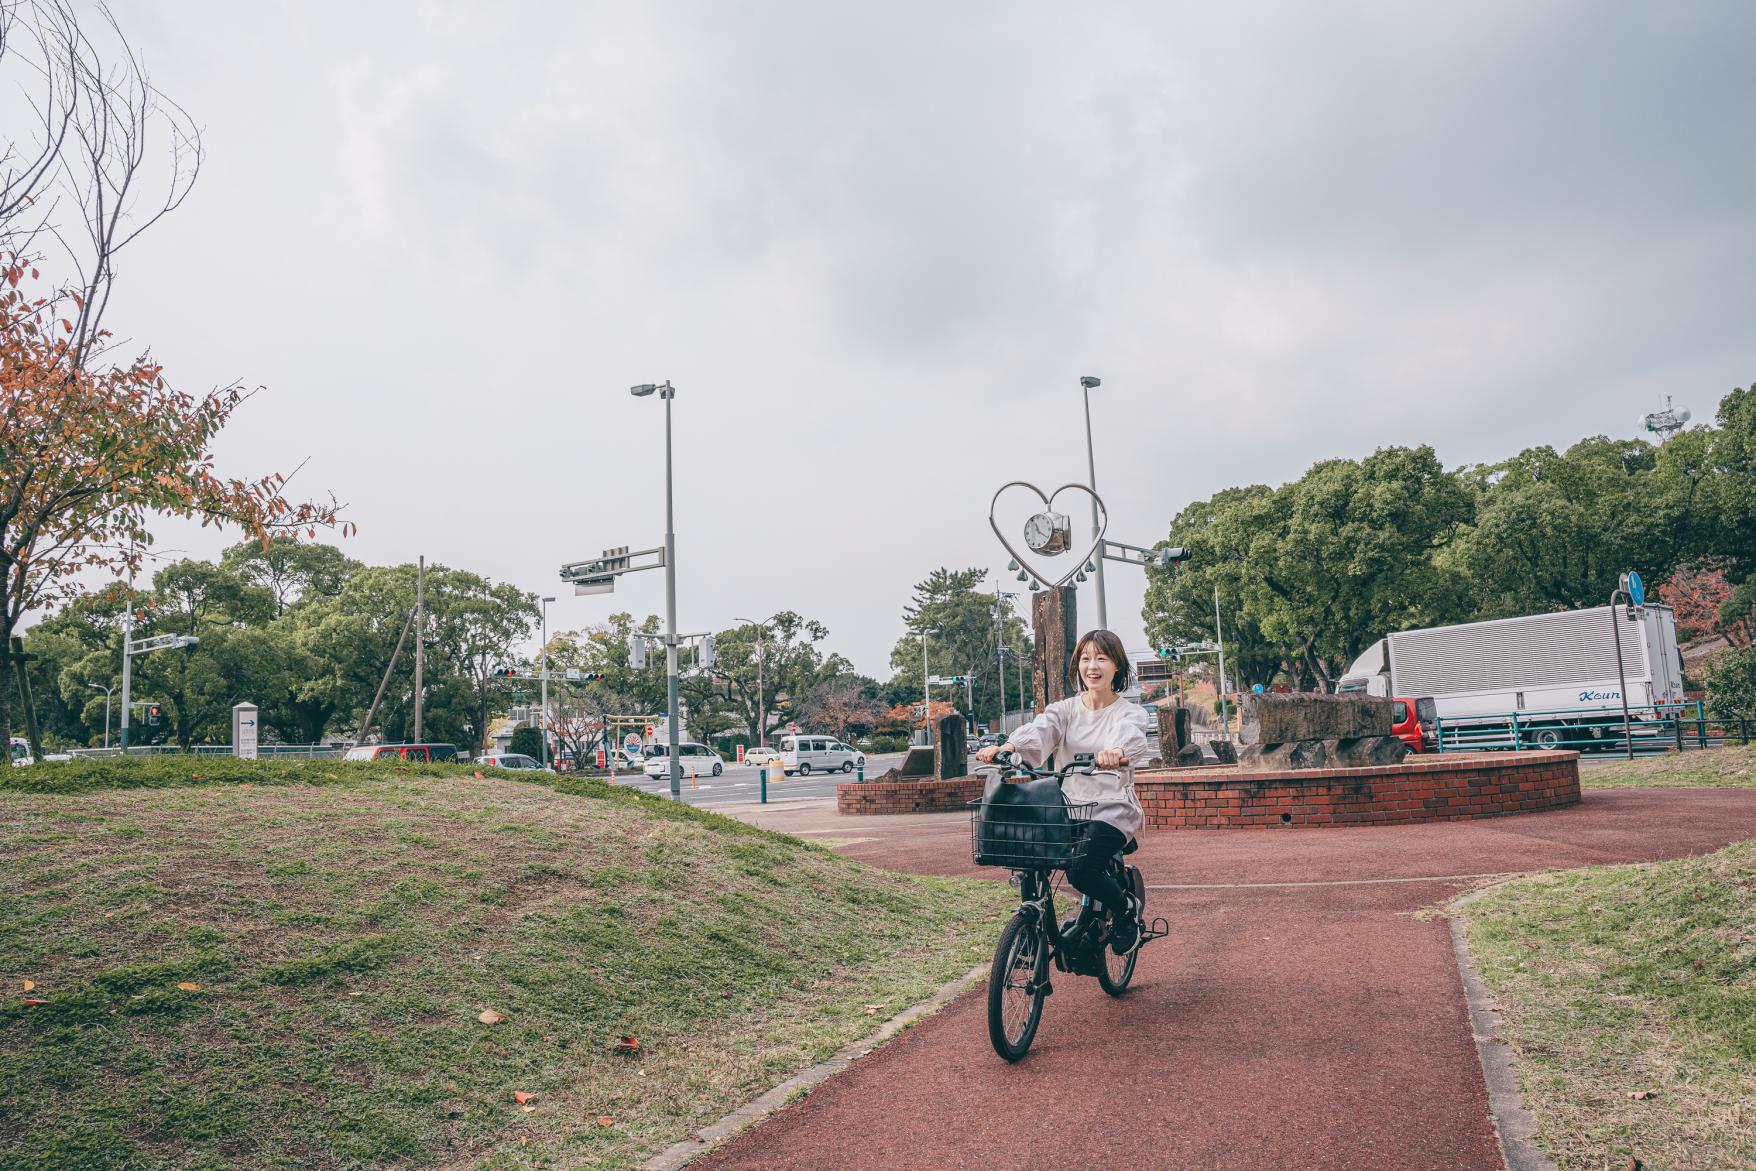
pixel 1636 589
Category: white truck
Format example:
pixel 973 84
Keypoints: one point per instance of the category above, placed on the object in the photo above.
pixel 1555 674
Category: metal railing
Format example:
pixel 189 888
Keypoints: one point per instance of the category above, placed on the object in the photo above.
pixel 263 751
pixel 1651 728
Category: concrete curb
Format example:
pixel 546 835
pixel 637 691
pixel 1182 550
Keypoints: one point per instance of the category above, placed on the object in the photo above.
pixel 711 1136
pixel 1515 1126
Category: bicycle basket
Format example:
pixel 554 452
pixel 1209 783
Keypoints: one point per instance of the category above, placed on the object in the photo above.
pixel 1028 826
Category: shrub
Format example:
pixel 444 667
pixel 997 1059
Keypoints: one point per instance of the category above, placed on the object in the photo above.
pixel 1731 683
pixel 527 741
pixel 878 744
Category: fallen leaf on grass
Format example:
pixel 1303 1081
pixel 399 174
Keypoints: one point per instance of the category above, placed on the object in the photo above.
pixel 1642 1095
pixel 479 776
pixel 490 1017
pixel 523 1098
pixel 30 985
pixel 188 987
pixel 32 1000
pixel 872 1009
pixel 606 1120
pixel 528 1109
pixel 627 1046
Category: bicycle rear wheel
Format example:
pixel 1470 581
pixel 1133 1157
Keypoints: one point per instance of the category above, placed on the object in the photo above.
pixel 1117 970
pixel 1015 988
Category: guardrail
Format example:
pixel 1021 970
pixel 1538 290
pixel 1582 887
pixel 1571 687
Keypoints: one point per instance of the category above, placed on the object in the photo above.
pixel 303 751
pixel 1650 728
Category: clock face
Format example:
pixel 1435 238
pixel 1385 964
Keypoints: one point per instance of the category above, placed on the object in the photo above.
pixel 1047 532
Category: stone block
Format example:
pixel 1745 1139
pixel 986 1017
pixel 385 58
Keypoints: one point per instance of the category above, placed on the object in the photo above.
pixel 1189 754
pixel 1224 751
pixel 1173 728
pixel 1282 757
pixel 1368 750
pixel 950 759
pixel 1285 719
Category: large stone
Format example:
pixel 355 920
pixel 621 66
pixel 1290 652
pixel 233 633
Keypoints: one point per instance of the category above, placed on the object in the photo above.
pixel 1368 750
pixel 1298 754
pixel 1224 751
pixel 950 757
pixel 1189 754
pixel 1173 728
pixel 1286 719
pixel 1053 615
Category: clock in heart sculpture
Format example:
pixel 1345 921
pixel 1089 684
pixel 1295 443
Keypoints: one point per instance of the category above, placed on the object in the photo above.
pixel 1048 531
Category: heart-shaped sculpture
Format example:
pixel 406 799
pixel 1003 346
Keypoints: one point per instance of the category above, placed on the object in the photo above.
pixel 1048 502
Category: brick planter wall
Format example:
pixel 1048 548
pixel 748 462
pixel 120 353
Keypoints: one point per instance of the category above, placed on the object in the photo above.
pixel 907 796
pixel 1440 787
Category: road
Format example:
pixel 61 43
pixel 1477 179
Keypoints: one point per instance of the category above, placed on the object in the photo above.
pixel 741 783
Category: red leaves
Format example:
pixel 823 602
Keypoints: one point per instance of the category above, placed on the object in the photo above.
pixel 627 1047
pixel 523 1098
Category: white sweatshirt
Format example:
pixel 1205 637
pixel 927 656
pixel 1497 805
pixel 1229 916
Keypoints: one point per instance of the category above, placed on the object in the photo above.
pixel 1068 728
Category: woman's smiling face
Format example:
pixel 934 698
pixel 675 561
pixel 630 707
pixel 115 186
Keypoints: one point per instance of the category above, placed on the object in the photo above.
pixel 1096 669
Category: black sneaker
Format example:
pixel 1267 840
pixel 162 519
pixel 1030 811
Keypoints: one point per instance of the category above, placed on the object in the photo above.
pixel 1125 931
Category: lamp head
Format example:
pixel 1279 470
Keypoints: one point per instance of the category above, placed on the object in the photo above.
pixel 1089 382
pixel 644 389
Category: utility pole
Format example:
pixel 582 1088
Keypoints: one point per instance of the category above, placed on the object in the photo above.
pixel 926 690
pixel 1225 719
pixel 545 674
pixel 671 608
pixel 999 657
pixel 127 665
pixel 420 646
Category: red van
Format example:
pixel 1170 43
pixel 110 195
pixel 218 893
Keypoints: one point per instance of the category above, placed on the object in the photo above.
pixel 1415 722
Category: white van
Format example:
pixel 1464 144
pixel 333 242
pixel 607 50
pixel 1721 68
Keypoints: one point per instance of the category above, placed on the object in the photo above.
pixel 699 757
pixel 805 755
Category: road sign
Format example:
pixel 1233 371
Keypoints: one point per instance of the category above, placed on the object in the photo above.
pixel 244 731
pixel 631 744
pixel 793 728
pixel 1636 589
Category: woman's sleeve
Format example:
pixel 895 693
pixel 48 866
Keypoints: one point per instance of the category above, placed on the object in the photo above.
pixel 1132 741
pixel 1038 740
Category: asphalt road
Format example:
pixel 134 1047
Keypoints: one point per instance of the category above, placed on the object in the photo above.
pixel 742 783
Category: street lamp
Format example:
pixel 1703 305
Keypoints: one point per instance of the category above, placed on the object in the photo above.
pixel 106 691
pixel 667 393
pixel 543 719
pixel 761 694
pixel 1085 385
pixel 927 686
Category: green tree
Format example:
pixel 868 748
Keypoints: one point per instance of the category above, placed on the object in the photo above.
pixel 971 625
pixel 793 665
pixel 1731 683
pixel 528 740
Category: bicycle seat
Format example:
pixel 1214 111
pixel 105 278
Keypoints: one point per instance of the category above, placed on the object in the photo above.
pixel 1133 845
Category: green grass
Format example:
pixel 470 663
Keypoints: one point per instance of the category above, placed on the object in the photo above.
pixel 346 924
pixel 1626 980
pixel 1731 767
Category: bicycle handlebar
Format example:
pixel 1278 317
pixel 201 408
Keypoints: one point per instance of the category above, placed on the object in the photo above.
pixel 1080 764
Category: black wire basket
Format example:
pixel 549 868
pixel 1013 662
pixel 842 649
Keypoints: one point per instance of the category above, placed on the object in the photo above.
pixel 1028 837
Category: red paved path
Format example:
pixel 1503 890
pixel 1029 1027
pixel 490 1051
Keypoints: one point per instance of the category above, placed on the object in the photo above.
pixel 1305 1027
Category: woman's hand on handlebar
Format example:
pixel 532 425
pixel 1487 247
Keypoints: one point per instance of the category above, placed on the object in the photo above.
pixel 987 755
pixel 1111 758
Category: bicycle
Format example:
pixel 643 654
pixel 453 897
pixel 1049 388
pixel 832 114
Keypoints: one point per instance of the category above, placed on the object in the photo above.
pixel 1033 830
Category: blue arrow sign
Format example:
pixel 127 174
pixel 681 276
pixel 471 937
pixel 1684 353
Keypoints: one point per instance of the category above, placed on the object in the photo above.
pixel 1636 589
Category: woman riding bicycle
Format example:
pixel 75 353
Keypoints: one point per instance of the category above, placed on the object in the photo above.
pixel 1099 722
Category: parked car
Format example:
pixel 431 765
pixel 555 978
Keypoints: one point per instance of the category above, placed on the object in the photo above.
pixel 692 756
pixel 805 755
pixel 20 751
pixel 421 752
pixel 991 740
pixel 513 760
pixel 760 756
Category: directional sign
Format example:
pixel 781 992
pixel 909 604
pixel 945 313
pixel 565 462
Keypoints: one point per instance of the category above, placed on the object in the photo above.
pixel 244 731
pixel 1636 589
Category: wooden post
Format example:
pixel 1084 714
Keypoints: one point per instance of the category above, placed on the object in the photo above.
pixel 1055 619
pixel 20 662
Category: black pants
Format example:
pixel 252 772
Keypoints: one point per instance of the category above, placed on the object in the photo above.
pixel 1091 874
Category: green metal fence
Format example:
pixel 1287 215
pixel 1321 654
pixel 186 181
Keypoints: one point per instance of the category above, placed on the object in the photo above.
pixel 1650 728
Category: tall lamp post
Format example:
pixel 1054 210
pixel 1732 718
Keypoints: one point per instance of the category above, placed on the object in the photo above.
pixel 106 691
pixel 543 718
pixel 1086 383
pixel 667 393
pixel 926 688
pixel 761 690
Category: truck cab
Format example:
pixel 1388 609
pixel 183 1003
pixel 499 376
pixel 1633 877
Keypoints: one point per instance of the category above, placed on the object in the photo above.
pixel 1414 722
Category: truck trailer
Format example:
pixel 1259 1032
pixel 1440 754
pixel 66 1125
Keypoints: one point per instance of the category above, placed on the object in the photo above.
pixel 1554 673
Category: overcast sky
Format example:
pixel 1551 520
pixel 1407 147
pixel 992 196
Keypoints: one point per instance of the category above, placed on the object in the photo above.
pixel 876 246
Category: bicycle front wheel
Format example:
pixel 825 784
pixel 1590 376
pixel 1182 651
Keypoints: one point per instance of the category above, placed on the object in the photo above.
pixel 1015 988
pixel 1117 970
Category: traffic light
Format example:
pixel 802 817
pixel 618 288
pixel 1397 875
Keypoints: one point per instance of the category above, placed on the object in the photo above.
pixel 1175 654
pixel 1171 556
pixel 506 673
pixel 591 677
pixel 636 652
pixel 707 650
pixel 152 713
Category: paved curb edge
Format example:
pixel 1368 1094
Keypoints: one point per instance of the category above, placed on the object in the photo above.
pixel 712 1135
pixel 1514 1126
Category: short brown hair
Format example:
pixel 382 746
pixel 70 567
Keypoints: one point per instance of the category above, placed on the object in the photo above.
pixel 1107 642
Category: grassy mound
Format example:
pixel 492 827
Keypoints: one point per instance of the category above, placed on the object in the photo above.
pixel 1731 767
pixel 1629 993
pixel 279 965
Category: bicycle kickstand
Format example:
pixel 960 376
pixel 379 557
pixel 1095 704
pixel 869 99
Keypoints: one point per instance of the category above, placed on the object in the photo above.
pixel 1161 927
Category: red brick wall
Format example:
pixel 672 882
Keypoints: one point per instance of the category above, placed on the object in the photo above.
pixel 1440 787
pixel 907 796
